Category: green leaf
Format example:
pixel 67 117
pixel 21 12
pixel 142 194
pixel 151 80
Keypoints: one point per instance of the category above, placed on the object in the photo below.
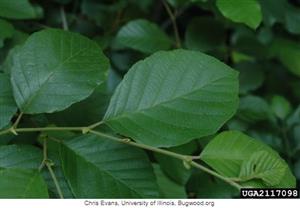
pixel 253 109
pixel 241 11
pixel 240 57
pixel 99 168
pixel 265 166
pixel 6 31
pixel 55 69
pixel 20 9
pixel 288 52
pixel 280 106
pixel 166 99
pixel 231 154
pixel 8 62
pixel 168 188
pixel 22 183
pixel 7 104
pixel 20 156
pixel 204 34
pixel 143 36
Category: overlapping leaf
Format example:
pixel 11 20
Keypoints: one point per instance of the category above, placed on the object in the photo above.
pixel 100 168
pixel 22 183
pixel 265 166
pixel 236 155
pixel 20 156
pixel 20 9
pixel 166 100
pixel 241 11
pixel 55 69
pixel 7 104
pixel 144 36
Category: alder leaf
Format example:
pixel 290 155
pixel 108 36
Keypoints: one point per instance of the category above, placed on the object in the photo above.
pixel 19 9
pixel 99 168
pixel 22 183
pixel 265 166
pixel 54 69
pixel 231 153
pixel 166 100
pixel 241 11
pixel 143 36
pixel 8 106
pixel 280 106
pixel 20 156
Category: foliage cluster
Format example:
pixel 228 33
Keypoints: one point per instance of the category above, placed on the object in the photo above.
pixel 148 99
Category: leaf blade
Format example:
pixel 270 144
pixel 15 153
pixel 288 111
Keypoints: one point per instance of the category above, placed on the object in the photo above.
pixel 241 11
pixel 227 152
pixel 55 69
pixel 165 99
pixel 122 171
pixel 143 36
pixel 20 9
pixel 7 104
pixel 22 183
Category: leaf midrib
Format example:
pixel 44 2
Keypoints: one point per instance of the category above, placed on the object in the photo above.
pixel 124 113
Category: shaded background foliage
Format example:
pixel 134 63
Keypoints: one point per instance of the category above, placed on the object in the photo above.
pixel 261 41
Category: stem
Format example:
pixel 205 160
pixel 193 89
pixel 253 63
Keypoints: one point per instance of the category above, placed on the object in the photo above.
pixel 49 129
pixel 64 19
pixel 173 19
pixel 45 155
pixel 15 125
pixel 187 159
pixel 217 175
pixel 143 146
pixel 95 125
pixel 49 164
pixel 6 131
pixel 55 180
